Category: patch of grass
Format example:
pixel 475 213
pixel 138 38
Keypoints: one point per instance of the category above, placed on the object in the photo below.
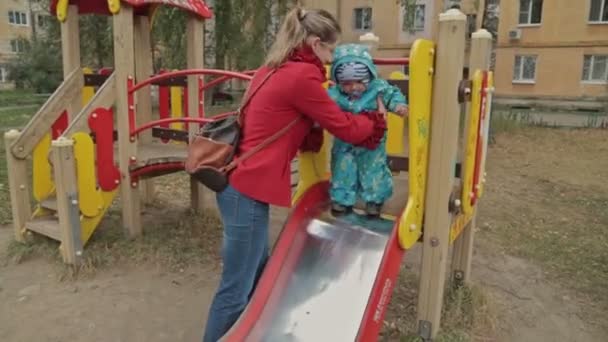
pixel 546 201
pixel 467 314
pixel 16 117
pixel 20 97
pixel 173 240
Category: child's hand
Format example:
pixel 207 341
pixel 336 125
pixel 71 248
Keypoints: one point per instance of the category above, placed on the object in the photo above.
pixel 402 110
pixel 381 108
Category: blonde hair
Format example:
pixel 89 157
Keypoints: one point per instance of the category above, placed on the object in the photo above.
pixel 297 26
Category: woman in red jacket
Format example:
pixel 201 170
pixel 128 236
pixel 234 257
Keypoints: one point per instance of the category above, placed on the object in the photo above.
pixel 294 90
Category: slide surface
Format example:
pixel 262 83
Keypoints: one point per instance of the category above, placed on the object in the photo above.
pixel 328 279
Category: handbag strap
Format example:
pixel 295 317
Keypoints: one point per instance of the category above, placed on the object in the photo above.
pixel 261 146
pixel 249 95
pixel 267 141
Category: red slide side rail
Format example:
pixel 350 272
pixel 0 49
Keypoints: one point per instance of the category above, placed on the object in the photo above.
pixel 275 277
pixel 211 72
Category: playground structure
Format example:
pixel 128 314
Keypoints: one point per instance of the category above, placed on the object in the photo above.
pixel 80 162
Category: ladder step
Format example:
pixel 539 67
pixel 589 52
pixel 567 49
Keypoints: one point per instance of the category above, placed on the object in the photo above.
pixel 47 226
pixel 49 203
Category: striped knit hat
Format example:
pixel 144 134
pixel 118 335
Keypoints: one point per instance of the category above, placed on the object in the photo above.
pixel 353 71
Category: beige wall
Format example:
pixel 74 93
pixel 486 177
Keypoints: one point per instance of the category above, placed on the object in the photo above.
pixel 11 31
pixel 559 42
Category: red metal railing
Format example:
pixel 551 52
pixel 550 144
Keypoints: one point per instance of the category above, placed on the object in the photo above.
pixel 212 72
pixel 392 61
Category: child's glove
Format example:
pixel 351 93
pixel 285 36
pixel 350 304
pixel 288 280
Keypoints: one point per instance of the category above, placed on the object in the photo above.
pixel 372 142
pixel 402 110
pixel 313 141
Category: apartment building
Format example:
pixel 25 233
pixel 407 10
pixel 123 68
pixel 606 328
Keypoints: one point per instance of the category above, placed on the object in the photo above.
pixel 18 20
pixel 391 22
pixel 552 50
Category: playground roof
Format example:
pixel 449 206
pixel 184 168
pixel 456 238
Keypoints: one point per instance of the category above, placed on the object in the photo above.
pixel 197 7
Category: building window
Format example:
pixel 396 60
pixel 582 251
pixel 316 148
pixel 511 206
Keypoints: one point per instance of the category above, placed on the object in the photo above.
pixel 363 18
pixel 524 69
pixel 3 74
pixel 17 18
pixel 530 12
pixel 599 11
pixel 41 20
pixel 595 69
pixel 418 19
pixel 17 45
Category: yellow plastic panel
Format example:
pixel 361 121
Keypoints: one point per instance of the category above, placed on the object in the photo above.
pixel 88 224
pixel 396 125
pixel 471 147
pixel 42 178
pixel 422 58
pixel 312 167
pixel 89 197
pixel 87 91
pixel 176 107
pixel 458 225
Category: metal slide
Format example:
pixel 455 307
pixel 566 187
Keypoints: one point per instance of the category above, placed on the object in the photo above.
pixel 328 279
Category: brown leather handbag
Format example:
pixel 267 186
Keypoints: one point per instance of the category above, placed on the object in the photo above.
pixel 211 152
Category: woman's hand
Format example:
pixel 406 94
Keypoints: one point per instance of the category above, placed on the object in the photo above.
pixel 381 107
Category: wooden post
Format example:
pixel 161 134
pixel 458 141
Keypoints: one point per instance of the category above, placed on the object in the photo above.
pixel 18 186
pixel 67 200
pixel 444 139
pixel 70 47
pixel 196 60
pixel 127 149
pixel 143 71
pixel 481 49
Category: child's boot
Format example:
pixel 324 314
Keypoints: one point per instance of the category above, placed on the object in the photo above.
pixel 373 209
pixel 338 209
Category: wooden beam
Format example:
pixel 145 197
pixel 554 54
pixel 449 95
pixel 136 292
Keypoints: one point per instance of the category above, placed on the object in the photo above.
pixel 144 70
pixel 41 123
pixel 70 51
pixel 195 37
pixel 125 68
pixel 444 138
pixel 67 200
pixel 104 97
pixel 481 50
pixel 18 186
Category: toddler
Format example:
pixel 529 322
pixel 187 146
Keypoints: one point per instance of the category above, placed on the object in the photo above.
pixel 358 172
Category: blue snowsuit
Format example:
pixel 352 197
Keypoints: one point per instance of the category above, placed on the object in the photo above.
pixel 357 171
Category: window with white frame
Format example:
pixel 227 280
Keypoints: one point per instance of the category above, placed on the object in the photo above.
pixel 524 69
pixel 362 18
pixel 530 12
pixel 17 45
pixel 17 18
pixel 598 13
pixel 3 74
pixel 595 69
pixel 418 19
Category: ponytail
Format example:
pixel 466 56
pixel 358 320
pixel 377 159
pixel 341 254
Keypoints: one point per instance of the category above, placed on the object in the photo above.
pixel 297 26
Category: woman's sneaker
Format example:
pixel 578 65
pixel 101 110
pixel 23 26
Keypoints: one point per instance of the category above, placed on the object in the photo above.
pixel 338 209
pixel 373 209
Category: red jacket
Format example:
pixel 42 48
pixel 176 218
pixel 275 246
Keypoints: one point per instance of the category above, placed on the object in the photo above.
pixel 294 90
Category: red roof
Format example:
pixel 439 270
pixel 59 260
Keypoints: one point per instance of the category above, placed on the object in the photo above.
pixel 197 7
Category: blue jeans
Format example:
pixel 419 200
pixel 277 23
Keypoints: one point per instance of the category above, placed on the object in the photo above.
pixel 244 254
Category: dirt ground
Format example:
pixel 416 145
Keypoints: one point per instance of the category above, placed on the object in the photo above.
pixel 144 300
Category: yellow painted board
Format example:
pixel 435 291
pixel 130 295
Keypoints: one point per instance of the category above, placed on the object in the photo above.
pixel 458 225
pixel 114 6
pixel 87 91
pixel 89 224
pixel 177 110
pixel 471 146
pixel 422 58
pixel 395 124
pixel 42 178
pixel 89 197
pixel 62 10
